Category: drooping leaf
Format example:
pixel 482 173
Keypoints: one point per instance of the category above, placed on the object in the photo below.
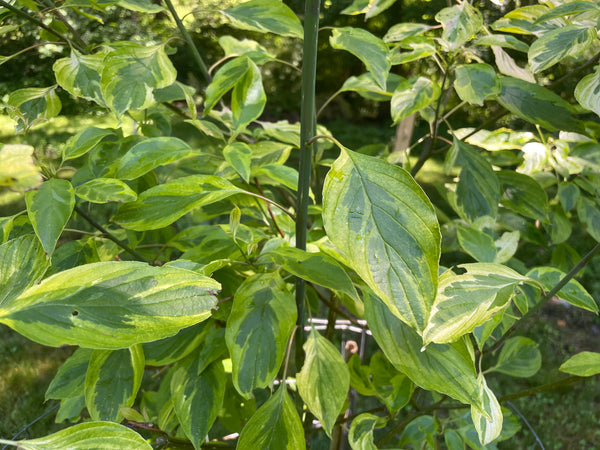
pixel 110 305
pixel 519 357
pixel 587 92
pixel 468 300
pixel 360 436
pixel 371 50
pixel 22 264
pixel 555 45
pixel 265 16
pixel 258 328
pixel 445 368
pixel 104 190
pixel 197 398
pixel 583 364
pixel 112 380
pixel 239 155
pixel 248 98
pixel 274 426
pixel 105 435
pixel 508 66
pixel 224 80
pixel 324 380
pixel 460 22
pixel 178 91
pixel 316 268
pixel 69 381
pixel 384 225
pixel 152 153
pixel 17 169
pixel 476 82
pixel 412 97
pixel 84 141
pixel 162 205
pixel 49 209
pixel 523 194
pixel 589 214
pixel 31 105
pixel 506 246
pixel 573 292
pixel 80 75
pixel 131 72
pixel 488 422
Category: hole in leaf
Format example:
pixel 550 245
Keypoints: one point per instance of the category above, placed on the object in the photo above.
pixel 75 313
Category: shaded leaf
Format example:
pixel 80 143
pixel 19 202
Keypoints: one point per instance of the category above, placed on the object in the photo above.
pixel 504 41
pixel 84 141
pixel 476 82
pixel 31 105
pixel 519 357
pixel 587 92
pixel 488 422
pixel 523 194
pixel 360 436
pixel 104 190
pixel 69 381
pixel 589 214
pixel 401 31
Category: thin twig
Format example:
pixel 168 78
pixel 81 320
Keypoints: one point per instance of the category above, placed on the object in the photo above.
pixel 537 438
pixel 258 186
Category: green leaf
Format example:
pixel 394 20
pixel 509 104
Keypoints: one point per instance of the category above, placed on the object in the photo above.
pixel 538 105
pixel 258 328
pixel 162 205
pixel 559 225
pixel 324 380
pixel 524 21
pixel 197 398
pixel 131 72
pixel 476 243
pixel 212 349
pixel 110 305
pixel 247 47
pixel 569 9
pixel 144 6
pixel 419 433
pixel 568 194
pixel 105 435
pixel 419 47
pixel 572 292
pixel 318 268
pixel 248 98
pixel 178 91
pixel 104 190
pixel 360 436
pixel 495 140
pixel 366 86
pixel 583 364
pixel 80 75
pixel 488 422
pixel 69 381
pixel 412 97
pixel 49 209
pixel 32 105
pixel 112 381
pixel 152 153
pixel 478 189
pixel 17 169
pixel 275 426
pixel 382 222
pixel 84 141
pixel 589 214
pixel 523 194
pixel 371 50
pixel 587 92
pixel 476 82
pixel 370 8
pixel 468 300
pixel 22 264
pixel 519 357
pixel 277 174
pixel 508 66
pixel 555 45
pixel 460 22
pixel 173 348
pixel 239 155
pixel 445 368
pixel 224 80
pixel 401 31
pixel 504 41
pixel 265 16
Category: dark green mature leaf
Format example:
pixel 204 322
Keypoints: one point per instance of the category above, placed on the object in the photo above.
pixel 88 435
pixel 568 194
pixel 104 190
pixel 239 155
pixel 31 105
pixel 419 431
pixel 248 98
pixel 69 381
pixel 110 305
pixel 589 214
pixel 583 364
pixel 360 436
pixel 49 209
pixel 265 16
pixel 385 226
pixel 324 380
pixel 22 263
pixel 460 22
pixel 162 205
pixel 371 50
pixel 131 72
pixel 80 75
pixel 318 268
pixel 523 194
pixel 445 368
pixel 587 92
pixel 112 380
pixel 173 348
pixel 468 300
pixel 275 426
pixel 258 328
pixel 197 398
pixel 224 80
pixel 476 82
pixel 519 357
pixel 152 153
pixel 555 45
pixel 573 292
pixel 476 243
pixel 538 105
pixel 84 141
pixel 412 97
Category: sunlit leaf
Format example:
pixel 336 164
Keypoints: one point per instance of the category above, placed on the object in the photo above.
pixel 84 141
pixel 360 436
pixel 144 6
pixel 265 16
pixel 224 80
pixel 504 41
pixel 555 45
pixel 476 82
pixel 401 31
pixel 31 105
pixel 461 23
pixel 104 190
pixel 17 169
pixel 80 75
pixel 583 364
pixel 412 97
pixel 248 98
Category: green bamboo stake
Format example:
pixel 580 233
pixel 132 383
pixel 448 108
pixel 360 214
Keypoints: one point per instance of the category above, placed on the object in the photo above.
pixel 307 131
